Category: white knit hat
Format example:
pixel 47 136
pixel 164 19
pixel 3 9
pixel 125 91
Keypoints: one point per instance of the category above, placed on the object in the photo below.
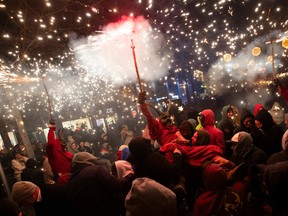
pixel 22 190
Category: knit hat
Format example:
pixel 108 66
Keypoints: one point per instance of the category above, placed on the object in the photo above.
pixel 22 190
pixel 84 158
pixel 148 197
pixel 123 168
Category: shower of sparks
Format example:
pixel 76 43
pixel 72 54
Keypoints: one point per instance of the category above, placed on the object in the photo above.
pixel 36 43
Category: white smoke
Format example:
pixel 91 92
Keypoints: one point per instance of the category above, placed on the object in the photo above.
pixel 108 54
pixel 243 68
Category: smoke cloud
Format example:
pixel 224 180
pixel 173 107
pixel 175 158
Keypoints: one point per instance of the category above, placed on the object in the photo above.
pixel 244 68
pixel 108 54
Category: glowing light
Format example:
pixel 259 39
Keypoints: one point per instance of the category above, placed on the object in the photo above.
pixel 227 57
pixel 285 43
pixel 256 51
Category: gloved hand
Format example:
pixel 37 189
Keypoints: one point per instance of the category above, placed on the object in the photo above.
pixel 142 97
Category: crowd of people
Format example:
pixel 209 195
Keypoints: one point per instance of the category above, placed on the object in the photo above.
pixel 237 166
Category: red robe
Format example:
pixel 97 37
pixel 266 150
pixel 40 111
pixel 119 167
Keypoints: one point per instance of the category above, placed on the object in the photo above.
pixel 157 131
pixel 59 159
pixel 193 155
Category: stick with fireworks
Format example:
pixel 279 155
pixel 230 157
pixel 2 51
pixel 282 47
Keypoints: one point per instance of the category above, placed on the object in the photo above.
pixel 135 64
pixel 272 42
pixel 49 101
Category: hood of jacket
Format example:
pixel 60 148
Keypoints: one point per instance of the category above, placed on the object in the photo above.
pixel 244 114
pixel 225 110
pixel 257 108
pixel 265 118
pixel 244 144
pixel 209 117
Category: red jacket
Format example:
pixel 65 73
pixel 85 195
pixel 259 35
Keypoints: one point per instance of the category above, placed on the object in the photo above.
pixel 217 136
pixel 157 131
pixel 194 155
pixel 59 159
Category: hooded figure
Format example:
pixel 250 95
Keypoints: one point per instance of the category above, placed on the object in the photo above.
pixel 201 138
pixel 148 197
pixel 226 124
pixel 92 190
pixel 218 198
pixel 282 155
pixel 257 108
pixel 151 164
pixel 245 152
pixel 246 121
pixel 270 140
pixel 207 121
pixel 275 178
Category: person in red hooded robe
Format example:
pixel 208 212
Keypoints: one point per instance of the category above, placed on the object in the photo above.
pixel 59 158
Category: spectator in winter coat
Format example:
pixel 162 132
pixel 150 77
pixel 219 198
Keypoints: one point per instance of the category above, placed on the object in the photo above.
pixel 275 181
pixel 217 198
pixel 153 164
pixel 92 190
pixel 121 169
pixel 126 135
pixel 18 164
pixel 282 155
pixel 227 124
pixel 46 200
pixel 270 139
pixel 245 152
pixel 148 197
pixel 33 173
pixel 246 122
